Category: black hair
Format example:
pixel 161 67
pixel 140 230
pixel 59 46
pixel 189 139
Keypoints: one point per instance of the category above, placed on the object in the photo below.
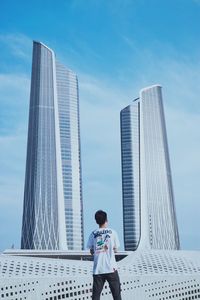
pixel 100 217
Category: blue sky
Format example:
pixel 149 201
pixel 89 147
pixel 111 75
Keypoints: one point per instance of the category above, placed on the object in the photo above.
pixel 116 47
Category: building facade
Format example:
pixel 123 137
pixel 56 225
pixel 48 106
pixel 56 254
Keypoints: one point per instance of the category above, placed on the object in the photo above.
pixel 130 151
pixel 148 203
pixel 52 212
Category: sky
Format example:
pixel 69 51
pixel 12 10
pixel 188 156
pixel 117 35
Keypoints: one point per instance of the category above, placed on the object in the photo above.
pixel 116 47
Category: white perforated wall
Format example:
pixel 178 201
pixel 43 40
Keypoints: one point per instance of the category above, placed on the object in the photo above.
pixel 160 275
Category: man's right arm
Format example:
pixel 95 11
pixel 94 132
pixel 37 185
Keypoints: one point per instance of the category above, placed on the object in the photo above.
pixel 116 242
pixel 90 244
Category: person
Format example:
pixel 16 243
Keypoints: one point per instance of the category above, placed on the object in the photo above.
pixel 103 243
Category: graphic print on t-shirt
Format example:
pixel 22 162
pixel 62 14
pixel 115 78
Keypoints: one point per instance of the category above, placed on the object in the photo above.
pixel 102 240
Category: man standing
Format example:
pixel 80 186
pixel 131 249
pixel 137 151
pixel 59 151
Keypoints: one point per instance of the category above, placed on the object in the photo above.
pixel 103 243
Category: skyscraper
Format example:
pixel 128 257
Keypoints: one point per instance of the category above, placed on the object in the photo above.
pixel 148 204
pixel 130 152
pixel 52 213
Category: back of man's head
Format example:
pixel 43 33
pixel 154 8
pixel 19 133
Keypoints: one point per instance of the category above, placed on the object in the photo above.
pixel 101 217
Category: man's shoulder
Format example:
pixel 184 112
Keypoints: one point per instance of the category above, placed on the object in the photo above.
pixel 101 231
pixel 95 230
pixel 111 230
pixel 93 233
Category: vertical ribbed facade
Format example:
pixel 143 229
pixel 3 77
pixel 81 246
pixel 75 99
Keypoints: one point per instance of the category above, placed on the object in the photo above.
pixel 68 103
pixel 130 151
pixel 45 211
pixel 148 162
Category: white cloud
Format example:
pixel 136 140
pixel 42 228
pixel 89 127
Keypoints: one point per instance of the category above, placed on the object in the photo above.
pixel 197 1
pixel 14 91
pixel 15 84
pixel 18 44
pixel 12 166
pixel 184 144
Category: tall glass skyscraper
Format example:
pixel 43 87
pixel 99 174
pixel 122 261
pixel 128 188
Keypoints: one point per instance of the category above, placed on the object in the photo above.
pixel 148 204
pixel 53 212
pixel 130 152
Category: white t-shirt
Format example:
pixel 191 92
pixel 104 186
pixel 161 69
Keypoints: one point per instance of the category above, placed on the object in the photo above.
pixel 103 241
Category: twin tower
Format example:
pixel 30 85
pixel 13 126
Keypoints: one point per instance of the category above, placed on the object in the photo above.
pixel 53 207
